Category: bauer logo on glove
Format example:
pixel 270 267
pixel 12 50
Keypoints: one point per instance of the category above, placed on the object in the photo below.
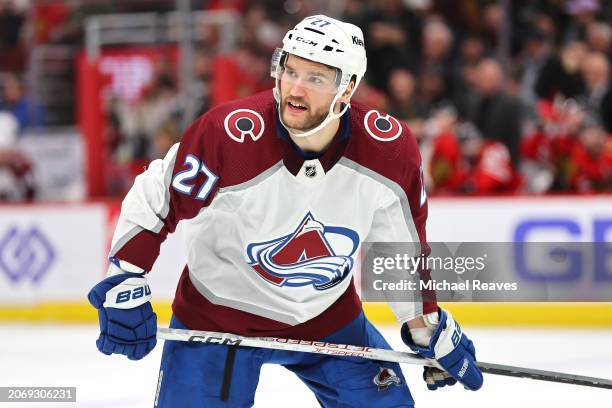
pixel 131 293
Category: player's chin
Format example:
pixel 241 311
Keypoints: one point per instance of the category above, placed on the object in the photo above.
pixel 293 123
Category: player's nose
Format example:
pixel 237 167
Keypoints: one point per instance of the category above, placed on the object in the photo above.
pixel 297 88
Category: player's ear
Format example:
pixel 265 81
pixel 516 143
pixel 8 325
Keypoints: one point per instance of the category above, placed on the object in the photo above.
pixel 347 92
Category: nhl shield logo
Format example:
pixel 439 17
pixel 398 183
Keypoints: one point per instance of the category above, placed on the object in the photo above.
pixel 313 254
pixel 310 170
pixel 385 378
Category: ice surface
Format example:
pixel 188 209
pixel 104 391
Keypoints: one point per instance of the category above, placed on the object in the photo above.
pixel 65 355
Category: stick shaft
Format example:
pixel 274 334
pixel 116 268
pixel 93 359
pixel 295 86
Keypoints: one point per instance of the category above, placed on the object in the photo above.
pixel 552 376
pixel 345 350
pixel 277 343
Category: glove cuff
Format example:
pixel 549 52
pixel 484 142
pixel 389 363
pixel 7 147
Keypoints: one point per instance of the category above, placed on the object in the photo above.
pixel 447 335
pixel 117 267
pixel 125 291
pixel 130 293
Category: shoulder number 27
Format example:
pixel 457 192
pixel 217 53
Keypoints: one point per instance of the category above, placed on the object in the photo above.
pixel 182 180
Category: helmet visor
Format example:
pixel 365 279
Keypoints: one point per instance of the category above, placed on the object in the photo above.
pixel 316 77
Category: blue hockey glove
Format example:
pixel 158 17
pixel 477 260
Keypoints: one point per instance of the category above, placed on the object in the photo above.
pixel 128 324
pixel 452 349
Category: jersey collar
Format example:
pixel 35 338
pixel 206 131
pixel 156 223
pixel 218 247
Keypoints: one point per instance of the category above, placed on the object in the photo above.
pixel 294 157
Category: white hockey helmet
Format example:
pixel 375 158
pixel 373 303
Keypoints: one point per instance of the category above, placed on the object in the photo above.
pixel 330 42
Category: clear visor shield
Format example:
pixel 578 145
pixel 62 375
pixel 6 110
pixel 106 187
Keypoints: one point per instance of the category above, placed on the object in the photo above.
pixel 321 78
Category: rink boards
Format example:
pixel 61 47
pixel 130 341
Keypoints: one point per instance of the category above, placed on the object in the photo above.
pixel 51 254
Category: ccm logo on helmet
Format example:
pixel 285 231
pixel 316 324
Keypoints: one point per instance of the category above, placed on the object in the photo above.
pixel 382 127
pixel 242 123
pixel 305 41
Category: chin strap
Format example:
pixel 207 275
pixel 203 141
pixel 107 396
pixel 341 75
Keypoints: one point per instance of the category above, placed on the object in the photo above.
pixel 330 116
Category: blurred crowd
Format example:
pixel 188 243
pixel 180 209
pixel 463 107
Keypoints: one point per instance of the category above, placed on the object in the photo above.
pixel 502 100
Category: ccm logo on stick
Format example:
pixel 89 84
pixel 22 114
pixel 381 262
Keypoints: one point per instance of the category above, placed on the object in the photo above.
pixel 214 340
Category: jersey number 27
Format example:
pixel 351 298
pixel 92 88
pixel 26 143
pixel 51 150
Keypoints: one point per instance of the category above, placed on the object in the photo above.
pixel 183 180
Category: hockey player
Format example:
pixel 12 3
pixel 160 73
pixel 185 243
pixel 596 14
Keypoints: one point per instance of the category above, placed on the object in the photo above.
pixel 280 189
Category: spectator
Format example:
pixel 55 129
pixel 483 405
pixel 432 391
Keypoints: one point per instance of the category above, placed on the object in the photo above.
pixel 583 14
pixel 492 171
pixel 28 112
pixel 12 21
pixel 471 52
pixel 166 136
pixel 434 69
pixel 202 67
pixel 496 113
pixel 462 161
pixel 139 121
pixel 547 150
pixel 536 54
pixel 591 159
pixel 536 149
pixel 392 34
pixel 437 42
pixel 599 37
pixel 447 169
pixel 404 104
pixel 598 95
pixel 16 177
pixel 547 24
pixel 493 16
pixel 49 17
pixel 551 146
pixel 561 75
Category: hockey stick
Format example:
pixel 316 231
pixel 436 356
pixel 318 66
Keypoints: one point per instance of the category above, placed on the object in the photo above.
pixel 345 350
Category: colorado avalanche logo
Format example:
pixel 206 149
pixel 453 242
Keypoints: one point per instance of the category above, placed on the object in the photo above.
pixel 385 378
pixel 242 123
pixel 382 127
pixel 314 254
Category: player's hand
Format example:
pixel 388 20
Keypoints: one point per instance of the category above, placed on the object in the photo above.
pixel 452 349
pixel 436 378
pixel 128 324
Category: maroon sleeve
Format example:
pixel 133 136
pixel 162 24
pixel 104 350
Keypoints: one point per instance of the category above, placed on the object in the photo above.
pixel 188 184
pixel 414 187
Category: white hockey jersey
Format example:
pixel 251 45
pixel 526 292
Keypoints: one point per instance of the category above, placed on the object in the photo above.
pixel 273 237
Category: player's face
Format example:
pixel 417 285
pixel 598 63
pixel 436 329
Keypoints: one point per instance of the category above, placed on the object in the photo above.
pixel 307 90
